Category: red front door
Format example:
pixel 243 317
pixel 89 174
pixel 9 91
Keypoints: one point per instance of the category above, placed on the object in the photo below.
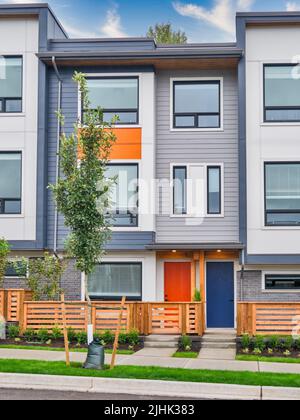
pixel 178 282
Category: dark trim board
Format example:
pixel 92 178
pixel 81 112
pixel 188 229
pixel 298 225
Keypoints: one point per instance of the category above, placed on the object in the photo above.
pixel 272 259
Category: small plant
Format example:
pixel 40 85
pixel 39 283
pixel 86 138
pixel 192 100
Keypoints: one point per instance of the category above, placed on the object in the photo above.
pixel 257 351
pixel 56 333
pixel 71 335
pixel 43 336
pixel 133 337
pixel 29 336
pixel 274 342
pixel 259 343
pixel 186 342
pixel 270 351
pixel 297 344
pixel 13 332
pixel 246 341
pixel 123 338
pixel 108 337
pixel 287 353
pixel 81 338
pixel 131 348
pixel 246 350
pixel 197 296
pixel 288 343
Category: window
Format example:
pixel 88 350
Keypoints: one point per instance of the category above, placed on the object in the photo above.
pixel 115 96
pixel 16 269
pixel 197 104
pixel 124 197
pixel 214 190
pixel 180 190
pixel 282 94
pixel 10 84
pixel 10 182
pixel 114 280
pixel 282 194
pixel 282 282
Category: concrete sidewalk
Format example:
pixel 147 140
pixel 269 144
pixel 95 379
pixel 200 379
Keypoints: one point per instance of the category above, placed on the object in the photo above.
pixel 184 390
pixel 169 362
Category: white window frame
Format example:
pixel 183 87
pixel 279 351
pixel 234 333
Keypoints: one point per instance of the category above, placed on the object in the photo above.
pixel 22 112
pixel 195 79
pixel 140 110
pixel 283 273
pixel 203 210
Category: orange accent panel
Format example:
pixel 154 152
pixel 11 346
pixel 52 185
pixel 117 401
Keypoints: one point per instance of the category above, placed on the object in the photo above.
pixel 128 144
pixel 178 282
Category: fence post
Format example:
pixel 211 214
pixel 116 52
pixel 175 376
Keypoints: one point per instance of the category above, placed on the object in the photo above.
pixel 23 325
pixel 21 306
pixel 182 313
pixel 253 320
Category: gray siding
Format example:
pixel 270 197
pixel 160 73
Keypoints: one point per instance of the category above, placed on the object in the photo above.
pixel 121 240
pixel 196 147
pixel 249 289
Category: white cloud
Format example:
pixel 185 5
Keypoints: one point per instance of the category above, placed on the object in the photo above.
pixel 221 15
pixel 75 32
pixel 292 6
pixel 113 27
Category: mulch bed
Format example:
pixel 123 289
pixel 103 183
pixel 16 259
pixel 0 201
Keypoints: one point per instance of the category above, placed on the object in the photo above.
pixel 294 353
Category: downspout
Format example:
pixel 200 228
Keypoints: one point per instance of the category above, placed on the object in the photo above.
pixel 242 275
pixel 60 81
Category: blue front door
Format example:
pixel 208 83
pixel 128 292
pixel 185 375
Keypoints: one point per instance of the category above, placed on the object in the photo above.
pixel 220 295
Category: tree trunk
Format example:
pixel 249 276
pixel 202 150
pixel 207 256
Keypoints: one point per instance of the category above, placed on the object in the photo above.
pixel 90 327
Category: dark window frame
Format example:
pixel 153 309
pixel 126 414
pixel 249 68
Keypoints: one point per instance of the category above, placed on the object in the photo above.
pixel 118 298
pixel 116 111
pixel 277 108
pixel 196 115
pixel 274 277
pixel 4 100
pixel 185 167
pixel 282 211
pixel 3 201
pixel 220 190
pixel 138 193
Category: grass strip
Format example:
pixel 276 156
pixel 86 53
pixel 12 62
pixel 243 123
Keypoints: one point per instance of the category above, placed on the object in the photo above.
pixel 251 358
pixel 73 350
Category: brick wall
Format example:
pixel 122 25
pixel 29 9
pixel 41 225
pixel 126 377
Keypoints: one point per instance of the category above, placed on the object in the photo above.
pixel 250 289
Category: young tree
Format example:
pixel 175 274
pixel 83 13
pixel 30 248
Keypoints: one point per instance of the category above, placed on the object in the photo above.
pixel 82 193
pixel 4 252
pixel 164 34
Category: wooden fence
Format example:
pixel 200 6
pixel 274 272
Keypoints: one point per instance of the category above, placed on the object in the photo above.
pixel 147 318
pixel 12 303
pixel 264 318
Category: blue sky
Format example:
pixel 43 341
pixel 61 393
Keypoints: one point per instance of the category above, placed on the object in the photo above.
pixel 202 20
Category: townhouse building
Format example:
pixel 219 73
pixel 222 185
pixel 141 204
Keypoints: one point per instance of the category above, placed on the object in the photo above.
pixel 207 159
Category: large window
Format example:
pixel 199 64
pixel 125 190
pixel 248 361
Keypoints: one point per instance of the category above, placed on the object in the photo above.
pixel 197 104
pixel 10 182
pixel 10 84
pixel 282 282
pixel 124 197
pixel 116 96
pixel 214 190
pixel 112 281
pixel 282 194
pixel 282 93
pixel 180 190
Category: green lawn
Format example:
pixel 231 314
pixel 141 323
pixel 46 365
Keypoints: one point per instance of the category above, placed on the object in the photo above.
pixel 16 347
pixel 249 358
pixel 186 355
pixel 153 373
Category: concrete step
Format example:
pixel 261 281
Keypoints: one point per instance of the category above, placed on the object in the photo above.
pixel 218 339
pixel 163 338
pixel 222 331
pixel 160 345
pixel 218 345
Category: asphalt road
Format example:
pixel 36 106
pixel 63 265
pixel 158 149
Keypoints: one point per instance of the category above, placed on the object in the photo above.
pixel 27 395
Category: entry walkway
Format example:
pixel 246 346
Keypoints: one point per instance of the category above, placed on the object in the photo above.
pixel 144 360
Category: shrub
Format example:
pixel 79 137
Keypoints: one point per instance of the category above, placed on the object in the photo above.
pixel 29 335
pixel 108 337
pixel 81 338
pixel 43 336
pixel 56 333
pixel 133 337
pixel 288 343
pixel 257 351
pixel 186 342
pixel 197 296
pixel 246 341
pixel 13 331
pixel 71 335
pixel 259 343
pixel 123 338
pixel 297 344
pixel 274 342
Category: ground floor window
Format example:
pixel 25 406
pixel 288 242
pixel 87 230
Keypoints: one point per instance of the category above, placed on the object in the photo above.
pixel 112 281
pixel 282 281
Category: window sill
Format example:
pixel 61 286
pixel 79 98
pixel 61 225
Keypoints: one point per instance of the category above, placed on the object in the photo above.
pixel 281 291
pixel 198 130
pixel 9 114
pixel 12 216
pixel 288 228
pixel 278 124
pixel 126 229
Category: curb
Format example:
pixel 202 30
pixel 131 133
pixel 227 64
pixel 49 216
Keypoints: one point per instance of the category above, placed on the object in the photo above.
pixel 184 390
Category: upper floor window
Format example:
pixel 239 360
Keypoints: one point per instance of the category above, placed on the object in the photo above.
pixel 124 197
pixel 116 96
pixel 282 93
pixel 282 281
pixel 214 190
pixel 10 182
pixel 10 84
pixel 197 104
pixel 180 190
pixel 282 194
